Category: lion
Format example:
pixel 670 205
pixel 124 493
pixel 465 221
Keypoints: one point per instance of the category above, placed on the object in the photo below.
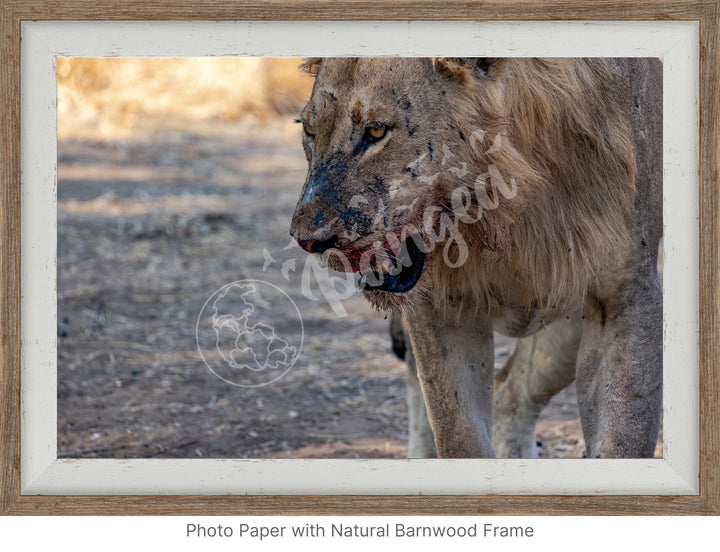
pixel 517 195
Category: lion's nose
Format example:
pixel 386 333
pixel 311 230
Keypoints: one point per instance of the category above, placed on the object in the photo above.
pixel 317 245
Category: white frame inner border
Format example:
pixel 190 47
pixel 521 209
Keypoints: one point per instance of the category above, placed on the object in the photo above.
pixel 43 473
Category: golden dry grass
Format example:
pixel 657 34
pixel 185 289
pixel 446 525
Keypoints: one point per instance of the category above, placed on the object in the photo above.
pixel 116 96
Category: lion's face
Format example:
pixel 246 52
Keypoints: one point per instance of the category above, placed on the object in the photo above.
pixel 375 148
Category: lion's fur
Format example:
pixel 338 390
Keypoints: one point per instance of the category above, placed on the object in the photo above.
pixel 563 141
pixel 573 162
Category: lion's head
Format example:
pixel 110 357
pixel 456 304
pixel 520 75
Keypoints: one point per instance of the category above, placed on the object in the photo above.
pixel 417 164
pixel 382 155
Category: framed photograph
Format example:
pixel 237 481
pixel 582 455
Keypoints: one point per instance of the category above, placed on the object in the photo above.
pixel 174 341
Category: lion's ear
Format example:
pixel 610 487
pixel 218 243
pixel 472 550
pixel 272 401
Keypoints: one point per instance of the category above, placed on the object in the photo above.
pixel 311 65
pixel 452 68
pixel 483 65
pixel 462 69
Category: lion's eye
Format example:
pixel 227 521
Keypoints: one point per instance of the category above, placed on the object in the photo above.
pixel 376 133
pixel 310 131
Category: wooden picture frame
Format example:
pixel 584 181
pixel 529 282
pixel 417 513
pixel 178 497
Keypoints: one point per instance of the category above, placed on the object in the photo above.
pixel 14 502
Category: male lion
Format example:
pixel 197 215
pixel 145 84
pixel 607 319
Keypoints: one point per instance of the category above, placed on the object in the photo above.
pixel 517 195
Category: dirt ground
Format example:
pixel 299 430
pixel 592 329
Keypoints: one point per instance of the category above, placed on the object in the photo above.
pixel 149 227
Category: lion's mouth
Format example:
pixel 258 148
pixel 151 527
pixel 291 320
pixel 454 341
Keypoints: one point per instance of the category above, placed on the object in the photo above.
pixel 399 277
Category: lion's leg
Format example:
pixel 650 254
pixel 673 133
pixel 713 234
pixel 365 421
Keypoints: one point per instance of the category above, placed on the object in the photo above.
pixel 619 372
pixel 541 366
pixel 421 443
pixel 455 367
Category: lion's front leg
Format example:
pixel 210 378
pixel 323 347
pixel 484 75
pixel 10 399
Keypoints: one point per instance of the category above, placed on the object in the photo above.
pixel 421 443
pixel 619 372
pixel 454 358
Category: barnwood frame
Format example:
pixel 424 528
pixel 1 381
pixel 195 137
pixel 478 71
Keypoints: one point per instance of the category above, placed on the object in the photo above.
pixel 705 12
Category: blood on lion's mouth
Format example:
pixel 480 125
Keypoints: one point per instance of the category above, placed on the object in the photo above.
pixel 400 277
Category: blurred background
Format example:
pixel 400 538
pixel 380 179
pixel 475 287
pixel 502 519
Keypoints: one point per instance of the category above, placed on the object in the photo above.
pixel 177 177
pixel 117 97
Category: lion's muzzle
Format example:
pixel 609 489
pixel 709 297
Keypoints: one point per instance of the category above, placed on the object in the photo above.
pixel 399 273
